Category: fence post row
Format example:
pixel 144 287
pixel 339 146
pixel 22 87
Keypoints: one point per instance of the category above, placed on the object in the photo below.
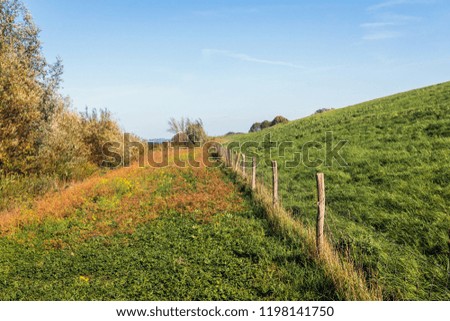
pixel 321 199
pixel 320 211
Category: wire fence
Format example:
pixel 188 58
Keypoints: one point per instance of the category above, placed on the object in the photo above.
pixel 239 164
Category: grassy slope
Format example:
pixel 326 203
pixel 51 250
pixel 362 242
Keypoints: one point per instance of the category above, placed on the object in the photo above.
pixel 389 208
pixel 151 234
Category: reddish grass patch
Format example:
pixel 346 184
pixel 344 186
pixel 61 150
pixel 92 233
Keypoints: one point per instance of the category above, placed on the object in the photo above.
pixel 124 198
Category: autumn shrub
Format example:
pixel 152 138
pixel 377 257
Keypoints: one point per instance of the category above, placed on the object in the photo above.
pixel 41 134
pixel 97 129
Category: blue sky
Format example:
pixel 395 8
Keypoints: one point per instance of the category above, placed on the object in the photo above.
pixel 232 63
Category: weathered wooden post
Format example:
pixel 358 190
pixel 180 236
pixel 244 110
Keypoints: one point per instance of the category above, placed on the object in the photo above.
pixel 243 165
pixel 254 173
pixel 231 158
pixel 238 159
pixel 320 211
pixel 225 155
pixel 275 183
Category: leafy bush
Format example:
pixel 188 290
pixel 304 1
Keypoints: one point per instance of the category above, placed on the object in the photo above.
pixel 98 129
pixel 256 127
pixel 323 110
pixel 279 120
pixel 265 124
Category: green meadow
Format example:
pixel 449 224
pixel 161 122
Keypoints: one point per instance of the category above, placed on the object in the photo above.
pixel 388 203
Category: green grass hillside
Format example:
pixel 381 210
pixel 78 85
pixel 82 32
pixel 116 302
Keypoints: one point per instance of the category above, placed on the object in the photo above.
pixel 389 209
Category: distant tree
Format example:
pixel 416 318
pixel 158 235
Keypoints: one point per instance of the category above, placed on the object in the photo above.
pixel 265 124
pixel 185 127
pixel 256 127
pixel 180 138
pixel 196 132
pixel 177 126
pixel 323 110
pixel 279 120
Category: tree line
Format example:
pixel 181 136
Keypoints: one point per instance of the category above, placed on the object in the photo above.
pixel 40 132
pixel 256 127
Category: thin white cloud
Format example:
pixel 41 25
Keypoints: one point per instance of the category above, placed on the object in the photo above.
pixel 248 58
pixel 376 25
pixel 393 3
pixel 382 35
pixel 398 18
pixel 387 24
pixel 387 4
pixel 226 11
pixel 242 10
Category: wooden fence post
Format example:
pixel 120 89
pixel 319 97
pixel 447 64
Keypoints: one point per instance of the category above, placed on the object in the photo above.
pixel 275 183
pixel 243 165
pixel 227 160
pixel 254 173
pixel 320 211
pixel 231 158
pixel 238 159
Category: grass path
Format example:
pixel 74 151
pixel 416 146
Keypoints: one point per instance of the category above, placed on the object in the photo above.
pixel 152 234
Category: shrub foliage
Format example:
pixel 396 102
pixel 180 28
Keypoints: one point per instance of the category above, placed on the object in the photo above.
pixel 39 131
pixel 256 127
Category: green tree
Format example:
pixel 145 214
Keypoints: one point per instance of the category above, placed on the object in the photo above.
pixel 279 120
pixel 265 124
pixel 256 127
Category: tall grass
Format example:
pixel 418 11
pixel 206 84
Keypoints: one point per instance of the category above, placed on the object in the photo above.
pixel 18 189
pixel 349 282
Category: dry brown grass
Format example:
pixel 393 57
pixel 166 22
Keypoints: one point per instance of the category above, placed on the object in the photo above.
pixel 56 204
